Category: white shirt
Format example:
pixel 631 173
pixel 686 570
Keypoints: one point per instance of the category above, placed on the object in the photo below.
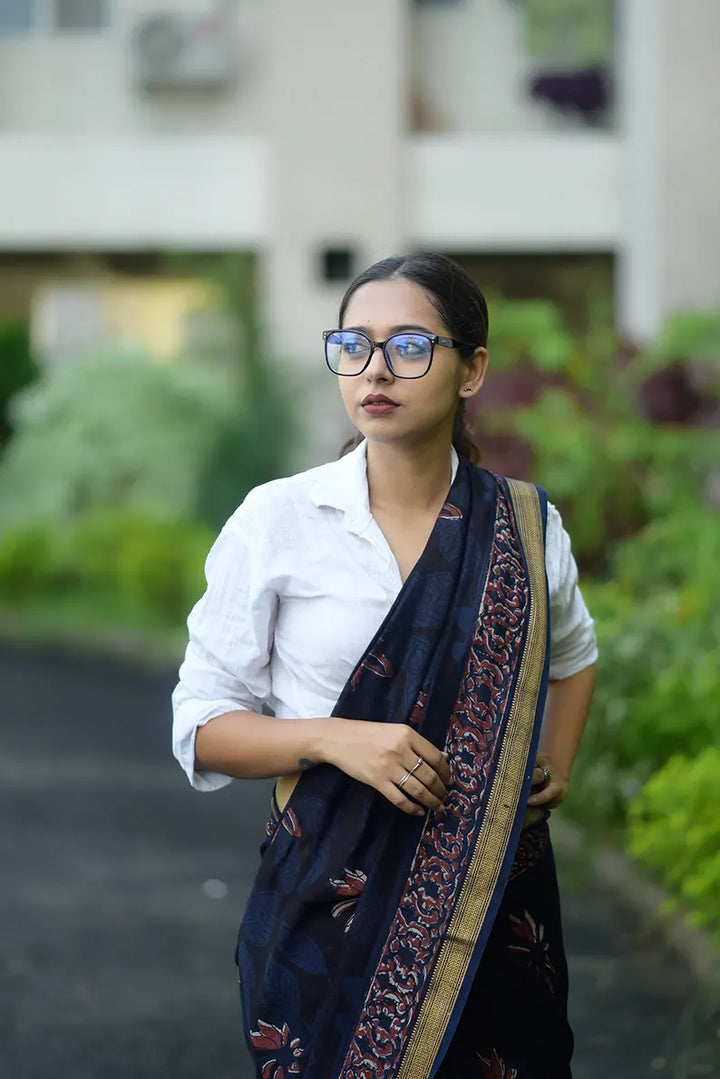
pixel 299 580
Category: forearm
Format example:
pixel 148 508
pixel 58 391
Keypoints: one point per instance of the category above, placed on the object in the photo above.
pixel 566 712
pixel 249 745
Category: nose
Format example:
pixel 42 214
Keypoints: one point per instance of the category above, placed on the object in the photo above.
pixel 378 368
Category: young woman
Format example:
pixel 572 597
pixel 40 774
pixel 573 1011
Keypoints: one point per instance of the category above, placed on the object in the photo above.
pixel 414 625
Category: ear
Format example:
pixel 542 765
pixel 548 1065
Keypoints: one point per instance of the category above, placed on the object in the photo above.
pixel 473 374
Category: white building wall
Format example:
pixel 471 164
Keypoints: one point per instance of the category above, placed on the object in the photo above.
pixel 470 67
pixel 336 119
pixel 516 192
pixel 311 147
pixel 688 109
pixel 83 83
pixel 124 193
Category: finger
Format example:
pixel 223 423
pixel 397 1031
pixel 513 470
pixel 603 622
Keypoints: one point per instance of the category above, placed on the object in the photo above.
pixel 538 777
pixel 547 794
pixel 417 790
pixel 393 794
pixel 430 779
pixel 433 757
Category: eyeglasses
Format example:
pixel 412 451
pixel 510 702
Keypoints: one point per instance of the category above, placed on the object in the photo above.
pixel 408 355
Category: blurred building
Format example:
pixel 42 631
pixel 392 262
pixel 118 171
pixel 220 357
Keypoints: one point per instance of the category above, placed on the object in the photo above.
pixel 324 133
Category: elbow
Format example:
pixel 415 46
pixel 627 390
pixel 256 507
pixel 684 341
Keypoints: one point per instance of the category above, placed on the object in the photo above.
pixel 204 748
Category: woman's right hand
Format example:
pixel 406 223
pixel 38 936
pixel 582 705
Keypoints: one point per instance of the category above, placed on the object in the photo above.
pixel 381 755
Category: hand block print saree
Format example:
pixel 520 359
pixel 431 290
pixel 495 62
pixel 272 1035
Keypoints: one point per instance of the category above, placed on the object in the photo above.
pixel 363 934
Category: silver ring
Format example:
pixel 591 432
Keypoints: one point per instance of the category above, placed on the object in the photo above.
pixel 547 774
pixel 404 779
pixel 417 765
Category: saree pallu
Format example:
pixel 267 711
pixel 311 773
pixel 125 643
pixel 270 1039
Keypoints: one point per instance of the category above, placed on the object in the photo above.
pixel 359 954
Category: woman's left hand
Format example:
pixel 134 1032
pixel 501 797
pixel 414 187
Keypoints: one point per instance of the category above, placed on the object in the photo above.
pixel 547 789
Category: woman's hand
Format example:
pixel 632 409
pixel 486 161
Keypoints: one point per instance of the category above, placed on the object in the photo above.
pixel 391 757
pixel 548 789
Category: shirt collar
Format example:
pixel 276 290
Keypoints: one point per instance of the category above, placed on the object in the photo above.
pixel 343 485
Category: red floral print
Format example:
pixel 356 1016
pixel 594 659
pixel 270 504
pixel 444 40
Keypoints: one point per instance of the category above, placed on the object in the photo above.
pixel 291 824
pixel 494 1068
pixel 534 945
pixel 350 887
pixel 286 1051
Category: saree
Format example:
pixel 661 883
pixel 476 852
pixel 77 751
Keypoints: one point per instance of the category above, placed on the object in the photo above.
pixel 360 949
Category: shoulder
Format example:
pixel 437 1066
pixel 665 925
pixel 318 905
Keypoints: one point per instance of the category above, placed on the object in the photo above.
pixel 274 505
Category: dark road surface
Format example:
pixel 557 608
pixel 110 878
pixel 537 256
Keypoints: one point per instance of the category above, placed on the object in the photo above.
pixel 123 888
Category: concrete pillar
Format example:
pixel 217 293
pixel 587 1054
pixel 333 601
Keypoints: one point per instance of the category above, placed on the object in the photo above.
pixel 638 72
pixel 335 122
pixel 336 117
pixel 689 189
pixel 669 87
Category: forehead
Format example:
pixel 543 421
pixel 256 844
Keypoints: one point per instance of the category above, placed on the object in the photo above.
pixel 382 305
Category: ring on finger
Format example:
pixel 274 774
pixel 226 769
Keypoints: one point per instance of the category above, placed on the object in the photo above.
pixel 411 771
pixel 547 774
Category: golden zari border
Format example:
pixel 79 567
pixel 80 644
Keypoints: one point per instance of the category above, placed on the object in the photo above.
pixel 479 885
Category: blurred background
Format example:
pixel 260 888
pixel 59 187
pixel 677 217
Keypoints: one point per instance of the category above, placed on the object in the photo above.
pixel 186 189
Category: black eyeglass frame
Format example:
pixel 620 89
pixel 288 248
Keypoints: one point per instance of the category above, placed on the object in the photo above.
pixel 433 338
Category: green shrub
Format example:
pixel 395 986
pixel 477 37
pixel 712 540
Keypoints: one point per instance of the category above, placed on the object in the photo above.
pixel 580 406
pixel 675 831
pixel 17 368
pixel 28 563
pixel 658 627
pixel 161 564
pixel 116 429
pixel 140 562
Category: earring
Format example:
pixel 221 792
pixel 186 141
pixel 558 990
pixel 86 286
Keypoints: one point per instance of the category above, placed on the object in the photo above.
pixel 467 389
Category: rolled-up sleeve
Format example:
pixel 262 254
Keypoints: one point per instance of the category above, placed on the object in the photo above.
pixel 572 633
pixel 226 665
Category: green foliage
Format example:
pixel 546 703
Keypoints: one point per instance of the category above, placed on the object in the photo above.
pixel 675 831
pixel 187 438
pixel 694 334
pixel 608 467
pixel 111 429
pixel 17 368
pixel 142 562
pixel 658 626
pixel 528 329
pixel 28 563
pixel 634 495
pixel 578 31
pixel 118 429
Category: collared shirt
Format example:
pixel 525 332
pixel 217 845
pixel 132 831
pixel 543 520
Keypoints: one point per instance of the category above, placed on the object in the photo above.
pixel 299 580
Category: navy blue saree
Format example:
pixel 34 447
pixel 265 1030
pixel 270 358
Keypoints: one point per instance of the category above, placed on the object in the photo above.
pixel 379 944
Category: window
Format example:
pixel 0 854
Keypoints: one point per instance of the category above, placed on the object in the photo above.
pixel 35 17
pixel 16 16
pixel 337 264
pixel 80 14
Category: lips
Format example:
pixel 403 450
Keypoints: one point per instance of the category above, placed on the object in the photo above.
pixel 377 399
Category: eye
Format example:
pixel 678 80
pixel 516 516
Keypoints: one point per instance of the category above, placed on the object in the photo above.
pixel 411 346
pixel 353 346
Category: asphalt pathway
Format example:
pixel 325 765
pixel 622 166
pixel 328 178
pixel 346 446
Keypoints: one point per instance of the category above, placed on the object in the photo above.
pixel 123 888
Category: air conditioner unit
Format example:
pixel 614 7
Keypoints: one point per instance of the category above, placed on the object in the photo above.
pixel 183 51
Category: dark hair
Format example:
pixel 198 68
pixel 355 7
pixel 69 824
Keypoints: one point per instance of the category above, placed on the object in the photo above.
pixel 460 305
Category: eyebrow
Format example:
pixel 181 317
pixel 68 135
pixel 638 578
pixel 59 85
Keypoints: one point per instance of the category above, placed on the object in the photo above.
pixel 394 329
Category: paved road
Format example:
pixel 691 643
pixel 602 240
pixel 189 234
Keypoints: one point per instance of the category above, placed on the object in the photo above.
pixel 116 952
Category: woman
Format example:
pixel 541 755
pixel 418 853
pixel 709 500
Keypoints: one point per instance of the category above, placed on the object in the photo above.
pixel 404 920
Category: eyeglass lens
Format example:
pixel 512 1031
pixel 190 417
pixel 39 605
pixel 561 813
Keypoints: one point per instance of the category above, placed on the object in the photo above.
pixel 409 354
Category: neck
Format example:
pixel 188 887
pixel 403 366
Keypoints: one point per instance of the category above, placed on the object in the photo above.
pixel 408 479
